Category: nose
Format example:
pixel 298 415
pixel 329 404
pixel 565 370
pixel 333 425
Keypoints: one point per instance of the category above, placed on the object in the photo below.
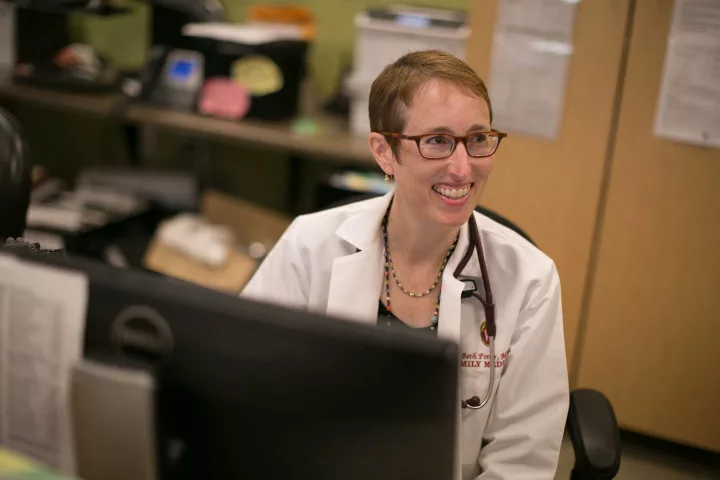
pixel 459 163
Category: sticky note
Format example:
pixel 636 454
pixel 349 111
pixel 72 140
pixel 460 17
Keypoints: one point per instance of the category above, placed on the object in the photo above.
pixel 258 73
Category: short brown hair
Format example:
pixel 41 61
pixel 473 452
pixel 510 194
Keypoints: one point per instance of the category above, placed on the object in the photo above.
pixel 393 90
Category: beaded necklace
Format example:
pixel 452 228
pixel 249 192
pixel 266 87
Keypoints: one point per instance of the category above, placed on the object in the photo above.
pixel 390 272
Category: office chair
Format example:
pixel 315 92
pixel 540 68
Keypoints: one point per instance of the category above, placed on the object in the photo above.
pixel 15 188
pixel 591 423
pixel 15 177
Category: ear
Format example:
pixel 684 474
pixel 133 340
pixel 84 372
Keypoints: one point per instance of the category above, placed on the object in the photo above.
pixel 380 148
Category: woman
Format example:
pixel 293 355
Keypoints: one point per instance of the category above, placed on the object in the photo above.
pixel 390 262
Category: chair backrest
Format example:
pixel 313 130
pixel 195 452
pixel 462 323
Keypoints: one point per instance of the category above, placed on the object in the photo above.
pixel 15 178
pixel 485 211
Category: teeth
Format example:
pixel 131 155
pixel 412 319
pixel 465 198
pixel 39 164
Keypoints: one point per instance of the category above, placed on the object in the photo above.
pixel 453 192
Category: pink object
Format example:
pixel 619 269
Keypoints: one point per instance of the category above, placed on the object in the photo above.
pixel 222 97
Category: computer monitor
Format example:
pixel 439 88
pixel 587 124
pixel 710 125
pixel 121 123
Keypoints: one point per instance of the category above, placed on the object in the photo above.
pixel 252 391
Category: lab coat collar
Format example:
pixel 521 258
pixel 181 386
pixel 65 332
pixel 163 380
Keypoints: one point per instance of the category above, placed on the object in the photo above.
pixel 356 279
pixel 362 229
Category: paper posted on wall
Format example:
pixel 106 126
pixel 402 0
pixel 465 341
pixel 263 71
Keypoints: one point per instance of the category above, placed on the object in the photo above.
pixel 532 47
pixel 42 327
pixel 689 104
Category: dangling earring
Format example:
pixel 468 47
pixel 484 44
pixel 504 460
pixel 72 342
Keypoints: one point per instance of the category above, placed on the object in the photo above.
pixel 389 178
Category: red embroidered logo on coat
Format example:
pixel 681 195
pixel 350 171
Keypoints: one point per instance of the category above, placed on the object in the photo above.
pixel 484 334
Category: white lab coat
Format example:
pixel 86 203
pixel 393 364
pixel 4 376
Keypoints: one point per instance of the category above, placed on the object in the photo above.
pixel 332 262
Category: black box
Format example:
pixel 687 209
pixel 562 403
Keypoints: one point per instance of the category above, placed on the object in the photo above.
pixel 289 56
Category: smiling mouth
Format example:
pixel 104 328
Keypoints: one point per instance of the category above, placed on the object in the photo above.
pixel 453 193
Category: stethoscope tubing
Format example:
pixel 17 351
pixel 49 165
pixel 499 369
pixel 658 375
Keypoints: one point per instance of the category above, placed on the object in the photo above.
pixel 475 244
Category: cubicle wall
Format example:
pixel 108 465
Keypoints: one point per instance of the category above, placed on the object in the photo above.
pixel 631 220
pixel 650 340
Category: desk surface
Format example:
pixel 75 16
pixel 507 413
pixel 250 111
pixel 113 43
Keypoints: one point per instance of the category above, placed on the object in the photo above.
pixel 332 141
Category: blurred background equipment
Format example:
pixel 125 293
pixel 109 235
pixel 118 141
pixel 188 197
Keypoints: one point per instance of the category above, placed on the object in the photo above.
pixel 265 58
pixel 50 59
pixel 253 231
pixel 174 72
pixel 174 190
pixel 191 54
pixel 174 77
pixel 385 34
pixel 170 16
pixel 157 220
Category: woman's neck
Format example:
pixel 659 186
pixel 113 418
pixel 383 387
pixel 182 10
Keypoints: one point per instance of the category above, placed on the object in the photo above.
pixel 417 241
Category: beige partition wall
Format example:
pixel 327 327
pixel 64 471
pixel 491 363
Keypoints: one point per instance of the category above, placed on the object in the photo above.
pixel 551 188
pixel 651 340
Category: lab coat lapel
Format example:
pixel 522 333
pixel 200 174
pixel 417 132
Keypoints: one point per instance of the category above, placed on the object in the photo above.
pixel 355 286
pixel 356 279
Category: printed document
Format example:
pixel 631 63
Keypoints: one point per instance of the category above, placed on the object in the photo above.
pixel 42 327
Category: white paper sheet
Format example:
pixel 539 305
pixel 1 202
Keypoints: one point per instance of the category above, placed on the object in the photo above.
pixel 7 35
pixel 530 60
pixel 689 103
pixel 42 326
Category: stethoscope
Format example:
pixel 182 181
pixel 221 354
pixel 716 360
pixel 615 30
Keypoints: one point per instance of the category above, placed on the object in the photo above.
pixel 474 402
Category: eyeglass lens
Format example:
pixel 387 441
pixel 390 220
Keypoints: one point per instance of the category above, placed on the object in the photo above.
pixel 439 146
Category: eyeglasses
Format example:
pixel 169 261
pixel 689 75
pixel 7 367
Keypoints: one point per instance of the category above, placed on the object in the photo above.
pixel 435 146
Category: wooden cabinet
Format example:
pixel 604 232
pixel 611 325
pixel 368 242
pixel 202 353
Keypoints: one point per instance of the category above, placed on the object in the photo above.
pixel 650 339
pixel 632 221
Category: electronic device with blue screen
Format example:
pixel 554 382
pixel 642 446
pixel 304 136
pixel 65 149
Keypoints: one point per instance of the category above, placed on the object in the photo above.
pixel 171 77
pixel 180 79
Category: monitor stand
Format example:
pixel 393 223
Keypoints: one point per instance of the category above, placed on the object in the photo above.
pixel 114 422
